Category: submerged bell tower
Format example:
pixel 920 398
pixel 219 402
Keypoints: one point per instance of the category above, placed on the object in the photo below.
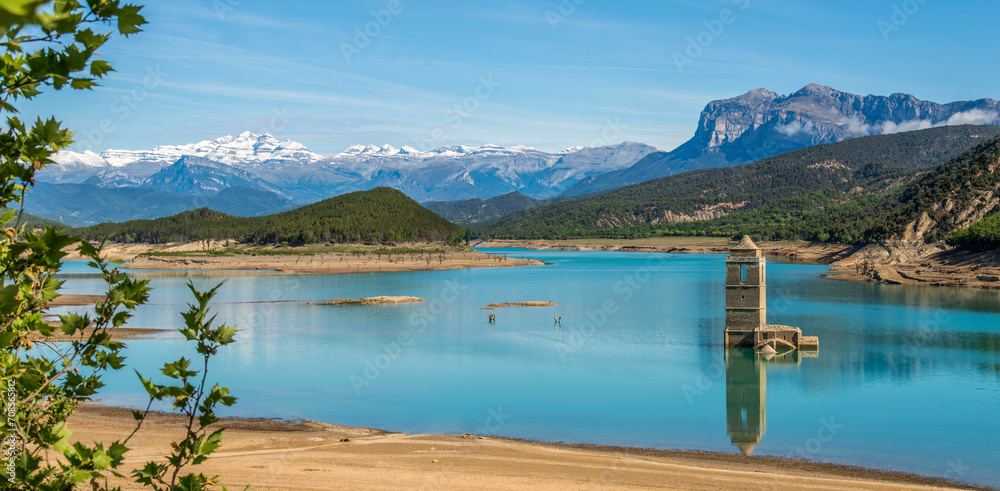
pixel 746 304
pixel 746 294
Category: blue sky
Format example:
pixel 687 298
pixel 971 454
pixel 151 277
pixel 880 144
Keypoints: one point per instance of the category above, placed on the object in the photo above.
pixel 545 73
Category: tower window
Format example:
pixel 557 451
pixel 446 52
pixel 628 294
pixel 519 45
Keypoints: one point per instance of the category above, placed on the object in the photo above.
pixel 743 273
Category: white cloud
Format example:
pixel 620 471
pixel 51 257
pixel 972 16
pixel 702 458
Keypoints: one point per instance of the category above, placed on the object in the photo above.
pixel 856 126
pixel 796 127
pixel 972 116
pixel 889 127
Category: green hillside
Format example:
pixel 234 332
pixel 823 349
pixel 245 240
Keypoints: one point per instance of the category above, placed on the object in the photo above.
pixel 478 210
pixel 32 221
pixel 381 215
pixel 955 200
pixel 786 196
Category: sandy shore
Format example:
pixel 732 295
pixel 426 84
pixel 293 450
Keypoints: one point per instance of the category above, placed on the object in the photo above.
pixel 383 300
pixel 303 260
pixel 520 304
pixel 313 456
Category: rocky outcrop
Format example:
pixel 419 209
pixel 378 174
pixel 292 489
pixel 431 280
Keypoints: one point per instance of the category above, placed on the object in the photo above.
pixel 761 123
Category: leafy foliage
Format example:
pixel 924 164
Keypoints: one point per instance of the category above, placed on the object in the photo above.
pixel 981 235
pixel 380 215
pixel 53 45
pixel 195 402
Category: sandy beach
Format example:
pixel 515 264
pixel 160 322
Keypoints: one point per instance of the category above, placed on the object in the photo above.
pixel 304 259
pixel 273 455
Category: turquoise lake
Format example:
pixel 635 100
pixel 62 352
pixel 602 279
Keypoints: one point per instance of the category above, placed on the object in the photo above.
pixel 906 378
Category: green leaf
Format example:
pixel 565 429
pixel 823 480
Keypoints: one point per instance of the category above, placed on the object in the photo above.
pixel 82 83
pixel 129 19
pixel 62 433
pixel 16 7
pixel 99 67
pixel 101 460
pixel 6 338
pixel 80 476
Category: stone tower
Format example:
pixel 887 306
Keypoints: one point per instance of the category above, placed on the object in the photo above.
pixel 746 294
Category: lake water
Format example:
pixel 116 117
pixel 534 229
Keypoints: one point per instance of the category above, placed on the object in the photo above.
pixel 906 378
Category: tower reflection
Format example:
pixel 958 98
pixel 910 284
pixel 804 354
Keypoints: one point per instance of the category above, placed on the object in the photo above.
pixel 746 393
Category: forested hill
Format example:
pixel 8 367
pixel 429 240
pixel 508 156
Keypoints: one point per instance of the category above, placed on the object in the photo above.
pixel 767 196
pixel 960 200
pixel 32 221
pixel 378 215
pixel 478 210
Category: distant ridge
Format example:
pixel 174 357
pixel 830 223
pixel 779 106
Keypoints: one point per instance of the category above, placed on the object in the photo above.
pixel 79 205
pixel 785 196
pixel 762 123
pixel 292 170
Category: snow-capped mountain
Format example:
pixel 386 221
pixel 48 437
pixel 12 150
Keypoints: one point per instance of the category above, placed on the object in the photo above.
pixel 247 148
pixel 117 168
pixel 290 169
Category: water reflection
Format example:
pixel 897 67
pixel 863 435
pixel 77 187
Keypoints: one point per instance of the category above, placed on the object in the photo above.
pixel 746 393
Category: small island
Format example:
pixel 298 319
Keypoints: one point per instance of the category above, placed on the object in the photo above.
pixel 382 300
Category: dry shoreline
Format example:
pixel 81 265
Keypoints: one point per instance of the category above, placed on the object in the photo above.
pixel 307 455
pixel 300 260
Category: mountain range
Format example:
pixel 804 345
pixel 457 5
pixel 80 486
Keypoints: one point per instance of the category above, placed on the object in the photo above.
pixel 84 204
pixel 294 172
pixel 747 128
pixel 824 189
pixel 762 123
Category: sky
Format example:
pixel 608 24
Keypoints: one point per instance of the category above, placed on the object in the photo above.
pixel 549 74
